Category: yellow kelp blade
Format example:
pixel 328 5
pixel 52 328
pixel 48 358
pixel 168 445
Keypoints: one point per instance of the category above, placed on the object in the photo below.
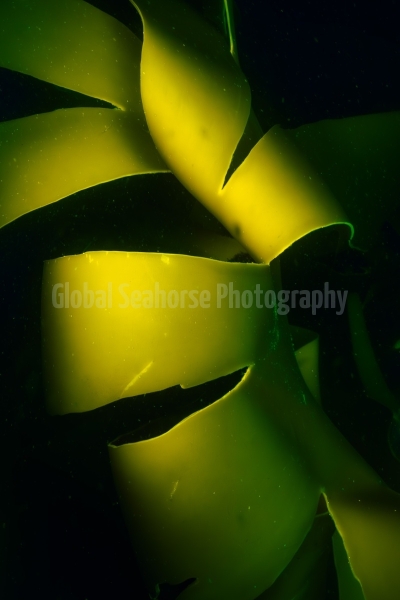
pixel 119 324
pixel 196 99
pixel 365 511
pixel 74 45
pixel 349 587
pixel 223 497
pixel 358 157
pixel 305 577
pixel 47 157
pixel 196 102
pixel 275 197
pixel 368 521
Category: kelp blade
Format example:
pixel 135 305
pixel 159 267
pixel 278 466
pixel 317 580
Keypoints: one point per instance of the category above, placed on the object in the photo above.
pixel 47 157
pixel 358 158
pixel 113 345
pixel 223 497
pixel 74 45
pixel 196 99
pixel 368 521
pixel 275 197
pixel 305 577
pixel 197 103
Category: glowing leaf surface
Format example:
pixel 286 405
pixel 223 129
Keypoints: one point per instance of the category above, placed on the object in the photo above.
pixel 47 157
pixel 358 157
pixel 74 45
pixel 95 355
pixel 226 478
pixel 197 103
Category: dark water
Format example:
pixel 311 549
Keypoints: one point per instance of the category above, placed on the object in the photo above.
pixel 66 539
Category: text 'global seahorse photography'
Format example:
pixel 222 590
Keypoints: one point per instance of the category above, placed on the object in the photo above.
pixel 63 296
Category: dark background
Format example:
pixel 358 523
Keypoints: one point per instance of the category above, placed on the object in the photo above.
pixel 305 61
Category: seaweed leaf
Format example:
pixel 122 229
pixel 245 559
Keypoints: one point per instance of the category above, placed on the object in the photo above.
pixel 74 45
pixel 47 157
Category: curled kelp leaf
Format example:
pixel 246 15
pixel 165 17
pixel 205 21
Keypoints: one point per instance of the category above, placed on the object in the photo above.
pixel 275 197
pixel 305 577
pixel 200 104
pixel 74 45
pixel 197 103
pixel 181 465
pixel 368 520
pixel 120 324
pixel 79 47
pixel 365 511
pixel 223 497
pixel 47 157
pixel 358 159
pixel 196 99
pixel 90 354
